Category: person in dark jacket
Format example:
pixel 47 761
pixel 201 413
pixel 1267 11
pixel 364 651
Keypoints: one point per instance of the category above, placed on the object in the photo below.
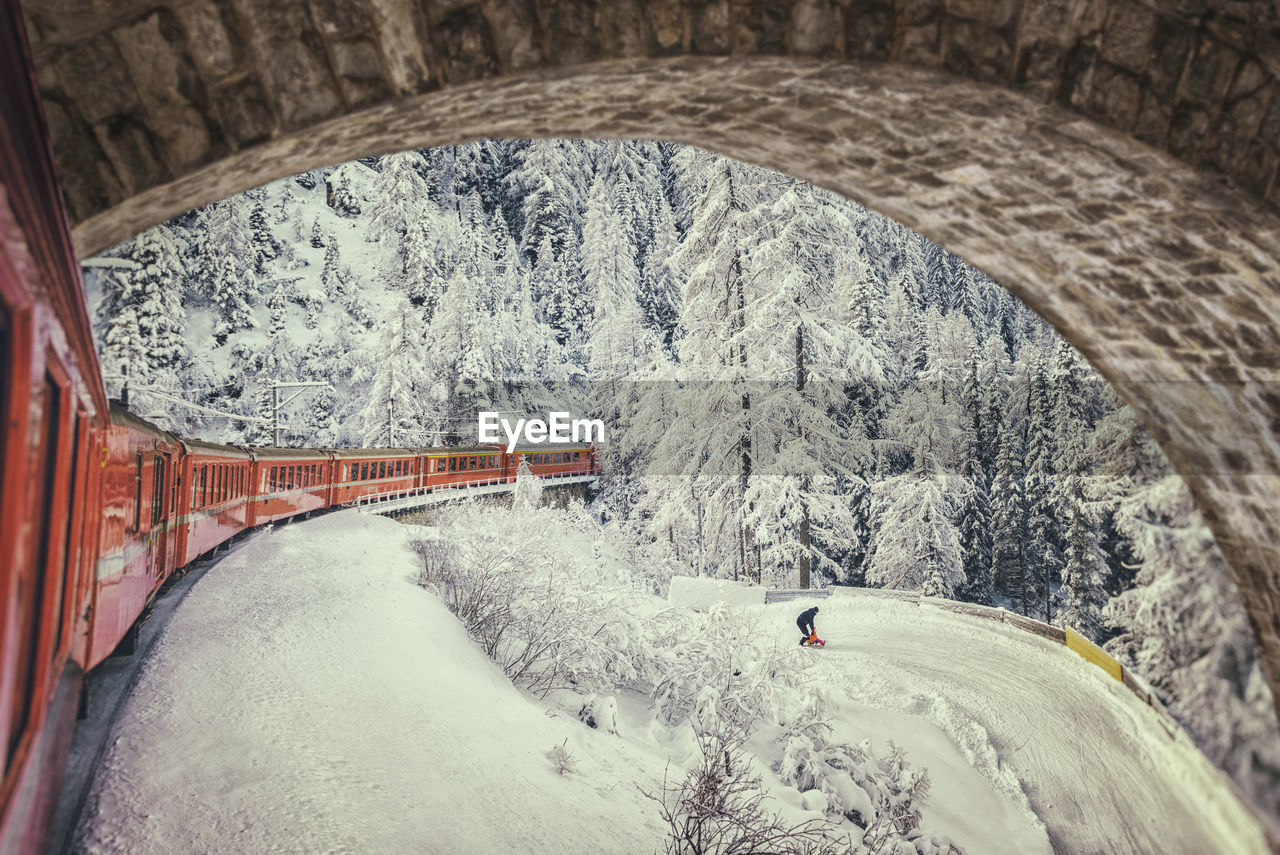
pixel 805 622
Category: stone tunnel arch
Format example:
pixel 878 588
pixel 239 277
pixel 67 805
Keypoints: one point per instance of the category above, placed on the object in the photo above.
pixel 1162 274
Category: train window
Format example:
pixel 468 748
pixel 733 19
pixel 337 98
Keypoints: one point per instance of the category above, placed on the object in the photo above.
pixel 30 590
pixel 382 469
pixel 364 471
pixel 137 494
pixel 157 489
pixel 575 455
pixel 315 473
pixel 453 464
pixel 5 360
pixel 292 482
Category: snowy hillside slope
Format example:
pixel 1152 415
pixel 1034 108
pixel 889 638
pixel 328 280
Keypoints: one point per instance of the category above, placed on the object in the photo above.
pixel 308 696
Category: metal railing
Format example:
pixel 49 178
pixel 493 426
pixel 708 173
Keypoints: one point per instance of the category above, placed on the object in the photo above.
pixel 399 500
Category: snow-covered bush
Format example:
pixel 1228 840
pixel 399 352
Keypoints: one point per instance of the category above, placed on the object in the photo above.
pixel 729 665
pixel 881 795
pixel 717 809
pixel 600 712
pixel 550 619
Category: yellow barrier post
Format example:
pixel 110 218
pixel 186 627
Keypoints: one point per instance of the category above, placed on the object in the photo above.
pixel 1093 653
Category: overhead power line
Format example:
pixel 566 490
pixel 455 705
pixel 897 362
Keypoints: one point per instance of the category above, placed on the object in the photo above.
pixel 149 391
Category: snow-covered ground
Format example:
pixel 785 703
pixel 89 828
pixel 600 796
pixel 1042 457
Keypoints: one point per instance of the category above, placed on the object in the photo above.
pixel 309 697
pixel 1094 764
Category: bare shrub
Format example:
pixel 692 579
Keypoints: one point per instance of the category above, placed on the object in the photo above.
pixel 563 759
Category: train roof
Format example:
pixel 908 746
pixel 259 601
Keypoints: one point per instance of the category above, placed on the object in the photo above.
pixel 536 447
pixel 124 418
pixel 444 450
pixel 212 449
pixel 348 453
pixel 267 453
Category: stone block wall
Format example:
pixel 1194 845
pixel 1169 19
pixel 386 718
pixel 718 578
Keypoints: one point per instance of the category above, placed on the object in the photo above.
pixel 140 92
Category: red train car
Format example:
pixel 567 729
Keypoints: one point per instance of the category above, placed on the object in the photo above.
pixel 558 459
pixel 476 465
pixel 286 482
pixel 138 541
pixel 213 489
pixel 364 472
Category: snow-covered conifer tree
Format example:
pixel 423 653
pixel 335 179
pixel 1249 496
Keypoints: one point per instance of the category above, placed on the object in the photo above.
pixel 399 381
pixel 1042 554
pixel 917 547
pixel 975 510
pixel 528 493
pixel 1008 514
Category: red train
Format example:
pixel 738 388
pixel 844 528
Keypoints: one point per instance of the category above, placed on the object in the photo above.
pixel 165 501
pixel 98 507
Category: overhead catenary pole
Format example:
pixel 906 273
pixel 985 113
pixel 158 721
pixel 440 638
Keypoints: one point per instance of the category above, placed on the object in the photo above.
pixel 276 403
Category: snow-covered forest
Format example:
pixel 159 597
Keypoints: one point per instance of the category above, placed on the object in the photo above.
pixel 797 390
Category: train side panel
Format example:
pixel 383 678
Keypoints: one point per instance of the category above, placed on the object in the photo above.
pixel 471 466
pixel 361 473
pixel 288 482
